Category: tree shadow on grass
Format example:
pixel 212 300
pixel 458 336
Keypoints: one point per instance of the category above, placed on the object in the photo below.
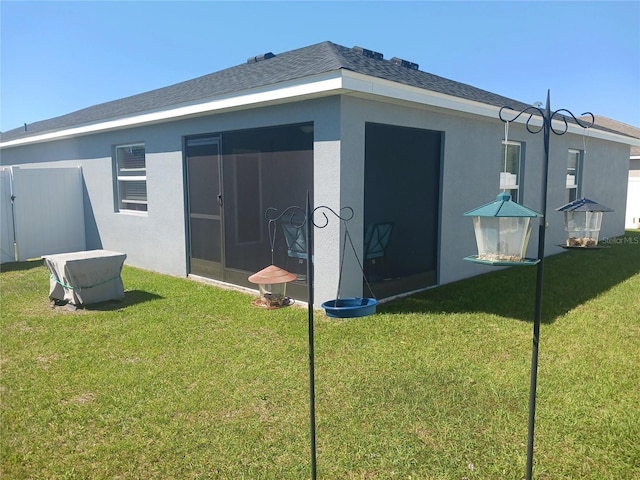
pixel 570 279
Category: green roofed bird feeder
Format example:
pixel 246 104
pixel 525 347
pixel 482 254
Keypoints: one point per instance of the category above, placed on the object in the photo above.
pixel 502 231
pixel 493 238
pixel 582 220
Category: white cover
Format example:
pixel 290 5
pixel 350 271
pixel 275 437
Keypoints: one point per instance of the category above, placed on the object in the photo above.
pixel 83 278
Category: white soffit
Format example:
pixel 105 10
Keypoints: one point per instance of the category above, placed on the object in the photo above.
pixel 376 86
pixel 386 88
pixel 331 83
pixel 307 87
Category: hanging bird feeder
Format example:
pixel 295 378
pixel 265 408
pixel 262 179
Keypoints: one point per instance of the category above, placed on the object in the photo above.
pixel 582 220
pixel 502 231
pixel 348 307
pixel 272 282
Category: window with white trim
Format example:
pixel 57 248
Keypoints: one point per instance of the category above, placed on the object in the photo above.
pixel 510 169
pixel 574 162
pixel 131 175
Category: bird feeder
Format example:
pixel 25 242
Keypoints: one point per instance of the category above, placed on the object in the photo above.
pixel 582 220
pixel 272 282
pixel 502 230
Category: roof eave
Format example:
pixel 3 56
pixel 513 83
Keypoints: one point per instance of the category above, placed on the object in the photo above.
pixel 320 85
pixel 329 83
pixel 385 88
pixel 366 84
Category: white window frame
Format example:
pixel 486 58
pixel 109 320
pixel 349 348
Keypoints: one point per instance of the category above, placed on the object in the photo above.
pixel 509 181
pixel 134 174
pixel 573 182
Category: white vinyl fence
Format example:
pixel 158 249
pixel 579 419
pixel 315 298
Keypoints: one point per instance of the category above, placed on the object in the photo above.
pixel 7 253
pixel 633 203
pixel 42 212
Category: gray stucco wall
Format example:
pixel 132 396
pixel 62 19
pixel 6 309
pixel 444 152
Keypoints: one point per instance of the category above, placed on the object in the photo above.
pixel 470 177
pixel 605 180
pixel 141 236
pixel 157 240
pixel 467 180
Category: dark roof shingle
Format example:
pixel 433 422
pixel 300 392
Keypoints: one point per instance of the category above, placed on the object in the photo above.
pixel 303 62
pixel 623 128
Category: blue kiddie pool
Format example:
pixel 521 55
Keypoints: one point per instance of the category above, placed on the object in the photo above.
pixel 350 307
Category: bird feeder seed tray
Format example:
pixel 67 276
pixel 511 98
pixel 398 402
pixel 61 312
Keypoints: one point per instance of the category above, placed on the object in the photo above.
pixel 272 283
pixel 582 220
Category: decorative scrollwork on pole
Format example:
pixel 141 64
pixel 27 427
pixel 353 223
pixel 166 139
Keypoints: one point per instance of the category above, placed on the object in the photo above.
pixel 546 116
pixel 272 215
pixel 341 216
pixel 299 217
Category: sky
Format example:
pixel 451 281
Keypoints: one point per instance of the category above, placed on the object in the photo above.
pixel 58 57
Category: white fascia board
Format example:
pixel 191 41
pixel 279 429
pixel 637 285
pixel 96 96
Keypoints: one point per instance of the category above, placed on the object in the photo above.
pixel 330 83
pixel 325 84
pixel 375 86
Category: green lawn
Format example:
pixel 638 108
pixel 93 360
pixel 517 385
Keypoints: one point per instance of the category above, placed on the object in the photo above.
pixel 184 380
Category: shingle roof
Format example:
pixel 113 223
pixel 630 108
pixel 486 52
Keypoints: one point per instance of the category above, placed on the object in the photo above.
pixel 296 64
pixel 617 126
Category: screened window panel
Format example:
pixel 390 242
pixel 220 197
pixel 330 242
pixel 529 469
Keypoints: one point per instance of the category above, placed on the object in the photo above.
pixel 205 239
pixel 131 177
pixel 249 202
pixel 406 193
pixel 204 181
pixel 264 167
pixel 133 190
pixel 131 160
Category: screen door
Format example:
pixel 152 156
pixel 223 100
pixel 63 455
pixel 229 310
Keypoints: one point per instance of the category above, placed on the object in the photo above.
pixel 205 202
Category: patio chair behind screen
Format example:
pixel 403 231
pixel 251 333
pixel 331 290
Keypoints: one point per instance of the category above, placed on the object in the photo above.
pixel 376 239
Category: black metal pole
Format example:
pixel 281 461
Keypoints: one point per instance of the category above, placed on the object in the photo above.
pixel 547 128
pixel 546 120
pixel 312 387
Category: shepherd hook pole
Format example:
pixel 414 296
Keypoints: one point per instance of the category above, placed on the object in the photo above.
pixel 312 388
pixel 547 127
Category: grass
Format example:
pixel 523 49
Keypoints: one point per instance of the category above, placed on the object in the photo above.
pixel 187 381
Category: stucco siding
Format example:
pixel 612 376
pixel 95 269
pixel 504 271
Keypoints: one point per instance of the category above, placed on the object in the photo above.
pixel 470 175
pixel 352 192
pixel 326 191
pixel 606 181
pixel 463 179
pixel 143 237
pixel 469 171
pixel 157 240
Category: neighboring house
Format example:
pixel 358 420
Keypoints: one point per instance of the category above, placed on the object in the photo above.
pixel 632 217
pixel 179 178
